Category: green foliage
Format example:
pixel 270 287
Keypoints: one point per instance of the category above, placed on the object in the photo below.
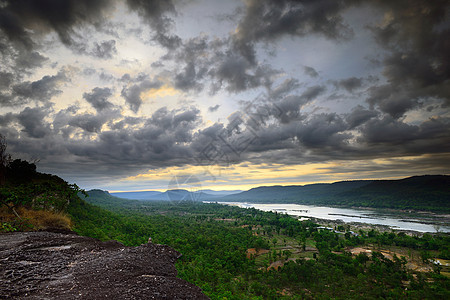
pixel 41 194
pixel 214 238
pixel 7 227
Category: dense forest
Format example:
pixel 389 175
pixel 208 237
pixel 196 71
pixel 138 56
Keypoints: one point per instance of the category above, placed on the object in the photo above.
pixel 236 253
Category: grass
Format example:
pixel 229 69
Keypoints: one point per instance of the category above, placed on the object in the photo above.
pixel 33 220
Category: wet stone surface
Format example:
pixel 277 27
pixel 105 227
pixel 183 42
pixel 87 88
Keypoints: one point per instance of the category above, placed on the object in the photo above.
pixel 47 265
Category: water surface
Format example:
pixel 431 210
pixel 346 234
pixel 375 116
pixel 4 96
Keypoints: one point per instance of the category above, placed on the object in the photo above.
pixel 425 222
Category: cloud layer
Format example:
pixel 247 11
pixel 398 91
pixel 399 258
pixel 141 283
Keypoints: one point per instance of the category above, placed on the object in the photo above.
pixel 110 89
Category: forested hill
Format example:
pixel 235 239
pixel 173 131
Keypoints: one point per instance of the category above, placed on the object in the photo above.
pixel 429 192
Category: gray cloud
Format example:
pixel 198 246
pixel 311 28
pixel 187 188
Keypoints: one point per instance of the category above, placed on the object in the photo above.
pixel 105 49
pixel 50 15
pixel 310 71
pixel 29 60
pixel 41 90
pixel 291 105
pixel 32 120
pixel 188 79
pixel 163 140
pixel 239 75
pixel 6 119
pixel 359 115
pixel 393 100
pixel 412 53
pixel 89 122
pixel 391 136
pixel 6 80
pixel 10 25
pixel 132 94
pixel 417 66
pixel 155 14
pixel 349 84
pixel 98 98
pixel 214 108
pixel 214 64
pixel 269 20
pixel 322 131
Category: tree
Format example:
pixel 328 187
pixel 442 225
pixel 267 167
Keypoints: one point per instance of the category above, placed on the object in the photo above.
pixel 5 159
pixel 274 241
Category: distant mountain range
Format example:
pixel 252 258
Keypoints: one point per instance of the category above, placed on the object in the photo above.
pixel 429 192
pixel 176 194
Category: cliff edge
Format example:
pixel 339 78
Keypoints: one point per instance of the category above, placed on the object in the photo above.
pixel 47 265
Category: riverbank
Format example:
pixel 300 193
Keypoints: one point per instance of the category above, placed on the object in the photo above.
pixel 383 219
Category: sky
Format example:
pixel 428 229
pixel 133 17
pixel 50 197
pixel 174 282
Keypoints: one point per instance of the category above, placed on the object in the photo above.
pixel 153 95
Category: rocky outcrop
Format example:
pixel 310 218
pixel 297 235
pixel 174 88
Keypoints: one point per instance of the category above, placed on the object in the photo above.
pixel 47 265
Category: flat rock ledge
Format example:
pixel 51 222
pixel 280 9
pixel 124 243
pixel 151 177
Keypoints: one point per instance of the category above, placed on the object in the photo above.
pixel 49 265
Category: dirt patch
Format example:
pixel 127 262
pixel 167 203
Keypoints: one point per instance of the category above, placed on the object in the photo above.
pixel 411 264
pixel 256 252
pixel 280 263
pixel 356 251
pixel 45 265
pixel 275 265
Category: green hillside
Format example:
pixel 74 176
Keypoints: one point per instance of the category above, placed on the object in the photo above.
pixel 430 193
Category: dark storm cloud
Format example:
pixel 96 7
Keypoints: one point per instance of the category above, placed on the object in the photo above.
pixel 189 78
pixel 269 20
pixel 29 60
pixel 6 119
pixel 162 140
pixel 22 21
pixel 359 115
pixel 413 54
pixel 323 130
pixel 50 15
pixel 393 100
pixel 89 122
pixel 291 105
pixel 239 75
pixel 388 130
pixel 154 12
pixel 211 62
pixel 11 26
pixel 98 98
pixel 61 120
pixel 41 90
pixel 233 70
pixel 417 67
pixel 32 120
pixel 389 135
pixel 349 84
pixel 132 94
pixel 231 63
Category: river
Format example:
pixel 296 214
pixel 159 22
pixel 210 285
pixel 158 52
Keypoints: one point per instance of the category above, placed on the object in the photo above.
pixel 399 220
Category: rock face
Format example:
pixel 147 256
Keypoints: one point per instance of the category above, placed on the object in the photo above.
pixel 46 265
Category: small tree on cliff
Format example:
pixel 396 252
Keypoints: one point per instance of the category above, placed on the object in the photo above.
pixel 5 159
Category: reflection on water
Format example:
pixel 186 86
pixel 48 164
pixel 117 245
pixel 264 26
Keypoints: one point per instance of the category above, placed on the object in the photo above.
pixel 404 221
